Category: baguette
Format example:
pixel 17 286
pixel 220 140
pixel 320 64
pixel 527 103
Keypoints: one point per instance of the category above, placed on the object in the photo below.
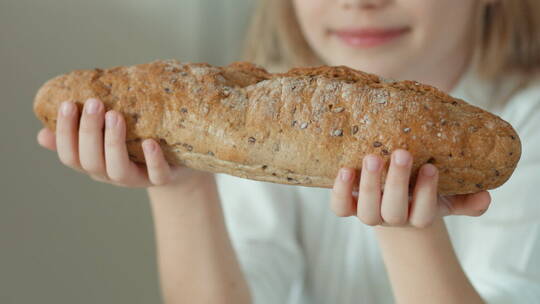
pixel 295 128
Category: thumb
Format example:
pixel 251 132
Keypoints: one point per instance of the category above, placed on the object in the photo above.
pixel 47 139
pixel 474 204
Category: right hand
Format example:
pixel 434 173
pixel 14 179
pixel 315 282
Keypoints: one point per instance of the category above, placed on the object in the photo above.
pixel 103 155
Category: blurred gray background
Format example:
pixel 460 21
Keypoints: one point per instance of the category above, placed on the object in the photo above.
pixel 65 238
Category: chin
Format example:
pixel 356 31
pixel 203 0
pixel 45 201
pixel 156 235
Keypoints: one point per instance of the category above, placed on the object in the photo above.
pixel 391 61
pixel 384 69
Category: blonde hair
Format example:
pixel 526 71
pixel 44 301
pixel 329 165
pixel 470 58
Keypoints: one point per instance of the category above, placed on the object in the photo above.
pixel 507 39
pixel 277 45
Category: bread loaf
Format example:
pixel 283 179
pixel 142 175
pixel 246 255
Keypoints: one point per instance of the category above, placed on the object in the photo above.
pixel 294 128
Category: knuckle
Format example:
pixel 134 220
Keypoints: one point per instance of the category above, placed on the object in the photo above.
pixel 421 223
pixel 398 173
pixel 339 194
pixel 112 142
pixel 161 180
pixel 338 211
pixel 87 126
pixel 64 160
pixel 62 122
pixel 152 167
pixel 119 177
pixel 64 131
pixel 370 221
pixel 341 188
pixel 89 166
pixel 367 191
pixel 68 160
pixel 99 178
pixel 397 182
pixel 158 174
pixel 395 220
pixel 368 188
pixel 94 170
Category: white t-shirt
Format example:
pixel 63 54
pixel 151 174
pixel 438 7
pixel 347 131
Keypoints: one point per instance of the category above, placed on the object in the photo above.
pixel 293 249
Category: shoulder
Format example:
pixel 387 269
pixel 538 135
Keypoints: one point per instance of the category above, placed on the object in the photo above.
pixel 526 95
pixel 522 110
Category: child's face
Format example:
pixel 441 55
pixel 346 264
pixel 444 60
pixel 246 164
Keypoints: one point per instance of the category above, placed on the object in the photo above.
pixel 402 39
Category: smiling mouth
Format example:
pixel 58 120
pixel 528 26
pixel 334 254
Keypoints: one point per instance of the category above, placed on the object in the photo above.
pixel 368 37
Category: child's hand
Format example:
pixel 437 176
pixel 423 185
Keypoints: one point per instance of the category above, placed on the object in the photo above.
pixel 103 155
pixel 392 208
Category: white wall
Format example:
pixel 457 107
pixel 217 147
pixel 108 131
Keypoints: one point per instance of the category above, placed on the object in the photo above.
pixel 63 237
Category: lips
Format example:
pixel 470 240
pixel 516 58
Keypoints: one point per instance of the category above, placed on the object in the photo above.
pixel 369 37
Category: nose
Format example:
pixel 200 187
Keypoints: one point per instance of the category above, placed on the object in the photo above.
pixel 363 4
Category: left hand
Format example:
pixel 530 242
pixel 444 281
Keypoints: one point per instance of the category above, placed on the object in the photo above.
pixel 393 208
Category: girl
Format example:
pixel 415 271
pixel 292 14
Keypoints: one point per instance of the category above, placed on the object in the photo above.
pixel 222 239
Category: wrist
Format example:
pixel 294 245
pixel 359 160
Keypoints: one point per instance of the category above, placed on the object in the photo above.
pixel 194 200
pixel 404 235
pixel 189 183
pixel 200 182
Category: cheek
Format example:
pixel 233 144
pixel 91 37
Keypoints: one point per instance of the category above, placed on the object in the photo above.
pixel 444 25
pixel 311 16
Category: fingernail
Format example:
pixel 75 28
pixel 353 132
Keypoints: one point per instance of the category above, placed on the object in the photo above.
pixel 372 163
pixel 149 146
pixel 429 170
pixel 66 108
pixel 110 120
pixel 345 175
pixel 401 157
pixel 92 106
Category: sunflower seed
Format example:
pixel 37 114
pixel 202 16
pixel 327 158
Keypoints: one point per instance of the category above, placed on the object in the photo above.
pixel 227 91
pixel 337 132
pixel 338 110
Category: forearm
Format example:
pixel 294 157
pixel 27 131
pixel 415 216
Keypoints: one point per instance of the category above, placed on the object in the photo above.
pixel 196 260
pixel 423 267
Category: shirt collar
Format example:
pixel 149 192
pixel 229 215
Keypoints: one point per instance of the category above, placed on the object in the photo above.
pixel 489 95
pixel 472 89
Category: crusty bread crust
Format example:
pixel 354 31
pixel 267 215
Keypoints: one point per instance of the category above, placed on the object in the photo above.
pixel 294 128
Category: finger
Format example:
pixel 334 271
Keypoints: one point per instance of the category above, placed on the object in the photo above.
pixel 395 201
pixel 424 207
pixel 474 204
pixel 159 171
pixel 341 200
pixel 91 153
pixel 47 139
pixel 66 135
pixel 101 179
pixel 119 168
pixel 368 209
pixel 106 181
